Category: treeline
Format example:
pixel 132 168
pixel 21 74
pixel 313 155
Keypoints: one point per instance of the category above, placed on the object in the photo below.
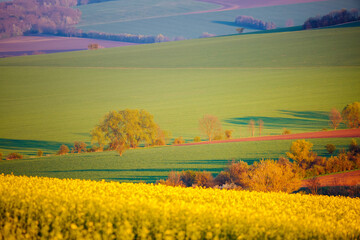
pixel 122 37
pixel 248 21
pixel 283 175
pixel 332 18
pixel 37 16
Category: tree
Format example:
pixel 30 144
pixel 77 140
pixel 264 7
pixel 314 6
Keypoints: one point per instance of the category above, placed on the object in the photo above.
pixel 78 147
pixel 335 118
pixel 99 137
pixel 261 126
pixel 63 150
pixel 330 148
pixel 126 128
pixel 351 115
pixel 252 127
pixel 271 176
pixel 210 126
pixel 302 154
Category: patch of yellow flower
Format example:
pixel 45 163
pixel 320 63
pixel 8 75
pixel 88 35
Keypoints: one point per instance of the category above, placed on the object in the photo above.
pixel 43 208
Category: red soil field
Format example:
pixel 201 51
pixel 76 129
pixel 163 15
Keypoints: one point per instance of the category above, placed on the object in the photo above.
pixel 346 133
pixel 240 4
pixel 30 45
pixel 338 179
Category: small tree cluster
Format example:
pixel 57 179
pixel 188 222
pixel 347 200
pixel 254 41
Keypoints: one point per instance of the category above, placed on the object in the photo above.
pixel 79 147
pixel 332 18
pixel 189 179
pixel 178 141
pixel 248 21
pixel 14 155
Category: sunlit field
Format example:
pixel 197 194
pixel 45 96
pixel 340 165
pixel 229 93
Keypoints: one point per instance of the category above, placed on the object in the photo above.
pixel 44 208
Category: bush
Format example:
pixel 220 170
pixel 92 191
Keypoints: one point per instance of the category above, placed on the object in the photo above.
pixel 197 139
pixel 286 131
pixel 218 137
pixel 228 134
pixel 172 180
pixel 12 156
pixel 339 163
pixel 63 150
pixel 204 179
pixel 1 156
pixel 188 177
pixel 239 173
pixel 179 140
pixel 270 176
pixel 354 147
pixel 330 148
pixel 79 147
pixel 40 153
pixel 159 142
pixel 223 178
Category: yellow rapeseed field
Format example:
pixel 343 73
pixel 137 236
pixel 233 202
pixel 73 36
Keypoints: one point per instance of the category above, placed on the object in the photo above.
pixel 47 208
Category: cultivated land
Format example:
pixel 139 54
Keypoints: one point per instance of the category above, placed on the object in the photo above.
pixel 174 23
pixel 288 80
pixel 29 45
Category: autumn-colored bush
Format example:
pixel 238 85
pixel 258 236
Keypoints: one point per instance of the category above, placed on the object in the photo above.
pixel 270 176
pixel 63 150
pixel 339 163
pixel 159 142
pixel 179 140
pixel 330 148
pixel 197 139
pixel 40 153
pixel 228 134
pixel 204 179
pixel 1 156
pixel 78 147
pixel 14 155
pixel 223 178
pixel 239 173
pixel 173 179
pixel 286 131
pixel 188 177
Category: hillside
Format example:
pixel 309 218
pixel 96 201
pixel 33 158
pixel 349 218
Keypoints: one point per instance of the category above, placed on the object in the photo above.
pixel 287 79
pixel 173 18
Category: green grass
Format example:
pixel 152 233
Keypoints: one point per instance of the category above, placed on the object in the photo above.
pixel 289 80
pixel 152 164
pixel 120 16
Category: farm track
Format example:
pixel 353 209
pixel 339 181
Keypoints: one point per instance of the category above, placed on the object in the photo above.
pixel 346 133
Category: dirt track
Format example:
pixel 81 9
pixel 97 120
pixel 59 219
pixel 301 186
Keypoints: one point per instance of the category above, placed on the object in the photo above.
pixel 339 179
pixel 346 133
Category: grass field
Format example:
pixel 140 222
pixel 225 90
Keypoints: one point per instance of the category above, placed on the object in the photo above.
pixel 151 164
pixel 109 17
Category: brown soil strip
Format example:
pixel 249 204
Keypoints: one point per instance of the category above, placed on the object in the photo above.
pixel 339 179
pixel 346 133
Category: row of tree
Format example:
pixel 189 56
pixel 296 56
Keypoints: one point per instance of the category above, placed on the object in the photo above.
pixel 250 22
pixel 332 18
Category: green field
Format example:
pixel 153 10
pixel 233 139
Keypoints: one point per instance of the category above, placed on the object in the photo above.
pixel 152 164
pixel 289 80
pixel 168 19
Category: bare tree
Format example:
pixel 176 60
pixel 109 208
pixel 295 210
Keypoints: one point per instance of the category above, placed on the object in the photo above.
pixel 252 127
pixel 261 126
pixel 210 126
pixel 335 118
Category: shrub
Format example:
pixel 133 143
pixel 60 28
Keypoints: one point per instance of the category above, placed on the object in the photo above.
pixel 354 147
pixel 172 180
pixel 204 179
pixel 1 156
pixel 79 147
pixel 223 178
pixel 339 163
pixel 228 134
pixel 63 150
pixel 313 184
pixel 179 140
pixel 40 153
pixel 12 156
pixel 239 173
pixel 218 137
pixel 330 148
pixel 159 142
pixel 188 177
pixel 197 139
pixel 302 154
pixel 270 176
pixel 286 131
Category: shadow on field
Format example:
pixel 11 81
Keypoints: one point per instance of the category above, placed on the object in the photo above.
pixel 298 119
pixel 16 144
pixel 232 24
